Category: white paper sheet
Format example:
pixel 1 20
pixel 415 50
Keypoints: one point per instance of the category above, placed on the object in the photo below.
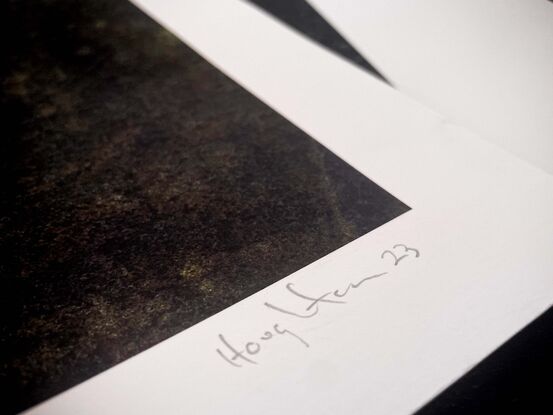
pixel 481 222
pixel 486 65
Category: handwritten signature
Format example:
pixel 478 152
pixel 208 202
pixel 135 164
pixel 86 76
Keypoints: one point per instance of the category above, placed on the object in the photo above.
pixel 237 356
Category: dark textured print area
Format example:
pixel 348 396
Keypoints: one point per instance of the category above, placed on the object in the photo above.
pixel 141 192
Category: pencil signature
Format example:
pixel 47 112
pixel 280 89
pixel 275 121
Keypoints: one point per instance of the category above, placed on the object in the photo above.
pixel 237 356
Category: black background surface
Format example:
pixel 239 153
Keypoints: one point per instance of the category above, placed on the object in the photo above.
pixel 517 378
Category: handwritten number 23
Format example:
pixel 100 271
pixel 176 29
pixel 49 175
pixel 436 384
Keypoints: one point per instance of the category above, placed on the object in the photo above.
pixel 399 252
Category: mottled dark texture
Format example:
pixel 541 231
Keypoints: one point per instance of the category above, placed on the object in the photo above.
pixel 141 192
pixel 300 15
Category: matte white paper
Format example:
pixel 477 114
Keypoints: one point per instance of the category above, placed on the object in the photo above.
pixel 486 65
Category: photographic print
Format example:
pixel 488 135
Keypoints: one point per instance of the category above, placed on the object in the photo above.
pixel 142 192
